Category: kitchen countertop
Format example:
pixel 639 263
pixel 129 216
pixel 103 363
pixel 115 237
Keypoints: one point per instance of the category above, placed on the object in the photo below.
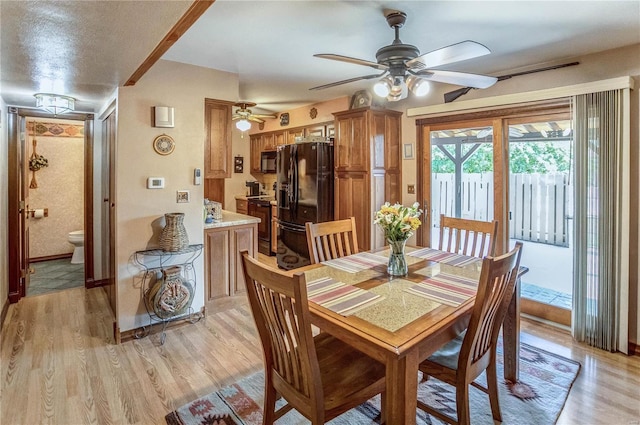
pixel 246 198
pixel 231 219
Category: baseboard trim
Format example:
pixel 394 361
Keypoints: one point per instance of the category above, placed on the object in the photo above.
pixel 50 257
pixel 155 328
pixel 90 283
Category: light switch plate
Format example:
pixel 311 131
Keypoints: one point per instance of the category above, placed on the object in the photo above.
pixel 411 188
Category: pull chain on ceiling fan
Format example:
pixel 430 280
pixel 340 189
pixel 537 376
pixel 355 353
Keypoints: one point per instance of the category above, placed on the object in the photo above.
pixel 243 116
pixel 404 69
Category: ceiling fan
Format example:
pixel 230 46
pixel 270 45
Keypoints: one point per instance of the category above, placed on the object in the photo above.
pixel 404 68
pixel 243 116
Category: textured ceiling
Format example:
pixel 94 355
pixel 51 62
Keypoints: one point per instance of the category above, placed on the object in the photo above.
pixel 83 49
pixel 93 46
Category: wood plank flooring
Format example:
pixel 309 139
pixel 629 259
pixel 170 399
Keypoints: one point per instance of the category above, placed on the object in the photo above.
pixel 60 366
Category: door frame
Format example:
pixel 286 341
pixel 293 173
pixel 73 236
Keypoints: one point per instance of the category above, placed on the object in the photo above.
pixel 16 213
pixel 500 119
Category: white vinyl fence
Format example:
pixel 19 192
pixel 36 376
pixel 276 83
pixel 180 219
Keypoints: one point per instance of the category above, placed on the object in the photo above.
pixel 539 204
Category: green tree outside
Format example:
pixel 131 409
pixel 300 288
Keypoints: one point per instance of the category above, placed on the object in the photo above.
pixel 525 158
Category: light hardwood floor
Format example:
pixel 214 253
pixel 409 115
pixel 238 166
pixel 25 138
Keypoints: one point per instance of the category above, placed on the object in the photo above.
pixel 60 366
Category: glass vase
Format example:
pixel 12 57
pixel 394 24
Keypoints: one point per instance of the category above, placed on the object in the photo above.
pixel 397 262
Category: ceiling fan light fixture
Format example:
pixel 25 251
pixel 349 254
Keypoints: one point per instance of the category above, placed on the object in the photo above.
pixel 398 91
pixel 418 86
pixel 243 125
pixel 383 87
pixel 55 103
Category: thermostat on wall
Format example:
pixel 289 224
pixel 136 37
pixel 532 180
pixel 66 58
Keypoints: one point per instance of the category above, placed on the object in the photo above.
pixel 155 183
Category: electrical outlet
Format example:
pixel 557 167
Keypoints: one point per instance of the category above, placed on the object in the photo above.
pixel 411 188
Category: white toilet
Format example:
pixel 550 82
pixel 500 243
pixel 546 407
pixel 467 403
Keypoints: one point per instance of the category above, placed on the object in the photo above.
pixel 77 240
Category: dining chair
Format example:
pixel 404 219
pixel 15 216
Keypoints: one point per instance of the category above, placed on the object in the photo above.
pixel 462 360
pixel 468 237
pixel 331 239
pixel 321 377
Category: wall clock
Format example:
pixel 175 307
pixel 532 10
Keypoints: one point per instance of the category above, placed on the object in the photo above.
pixel 360 99
pixel 164 144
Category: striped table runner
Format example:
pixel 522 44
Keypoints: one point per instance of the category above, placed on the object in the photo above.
pixel 450 258
pixel 357 262
pixel 338 297
pixel 446 288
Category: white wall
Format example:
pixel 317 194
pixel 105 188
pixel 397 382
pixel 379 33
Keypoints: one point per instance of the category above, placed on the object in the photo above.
pixel 4 249
pixel 140 211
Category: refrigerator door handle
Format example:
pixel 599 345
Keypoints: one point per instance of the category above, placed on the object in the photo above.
pixel 291 227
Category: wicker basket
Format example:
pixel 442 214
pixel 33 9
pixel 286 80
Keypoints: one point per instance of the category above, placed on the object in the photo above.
pixel 174 235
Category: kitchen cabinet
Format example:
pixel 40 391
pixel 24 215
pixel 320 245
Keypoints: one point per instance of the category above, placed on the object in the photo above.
pixel 269 141
pixel 217 147
pixel 223 268
pixel 242 206
pixel 255 146
pixel 368 168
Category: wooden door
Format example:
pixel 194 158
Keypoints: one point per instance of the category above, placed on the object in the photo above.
pixel 354 191
pixel 351 145
pixel 242 238
pixel 217 271
pixel 25 270
pixel 217 150
pixel 108 209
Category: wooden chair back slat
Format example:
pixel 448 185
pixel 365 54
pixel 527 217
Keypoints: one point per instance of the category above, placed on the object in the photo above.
pixel 495 288
pixel 279 305
pixel 468 237
pixel 331 239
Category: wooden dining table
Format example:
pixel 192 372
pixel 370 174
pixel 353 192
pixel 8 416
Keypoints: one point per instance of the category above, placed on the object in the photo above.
pixel 400 321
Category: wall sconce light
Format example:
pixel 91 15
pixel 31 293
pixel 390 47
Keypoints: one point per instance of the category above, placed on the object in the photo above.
pixel 243 125
pixel 55 103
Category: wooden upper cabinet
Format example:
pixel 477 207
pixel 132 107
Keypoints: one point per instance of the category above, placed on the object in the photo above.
pixel 351 144
pixel 268 142
pixel 255 143
pixel 315 131
pixel 293 133
pixel 217 148
pixel 280 138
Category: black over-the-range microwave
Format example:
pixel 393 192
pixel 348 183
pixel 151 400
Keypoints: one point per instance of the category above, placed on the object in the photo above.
pixel 268 162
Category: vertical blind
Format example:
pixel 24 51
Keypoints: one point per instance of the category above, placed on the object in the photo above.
pixel 598 217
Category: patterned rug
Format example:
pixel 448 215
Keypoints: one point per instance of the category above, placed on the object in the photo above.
pixel 545 380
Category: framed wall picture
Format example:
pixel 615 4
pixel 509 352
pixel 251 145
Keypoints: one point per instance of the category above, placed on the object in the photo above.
pixel 238 164
pixel 182 196
pixel 407 152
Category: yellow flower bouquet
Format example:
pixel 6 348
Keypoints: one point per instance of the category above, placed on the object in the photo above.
pixel 397 221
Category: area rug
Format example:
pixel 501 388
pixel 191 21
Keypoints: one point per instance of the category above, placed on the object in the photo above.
pixel 537 399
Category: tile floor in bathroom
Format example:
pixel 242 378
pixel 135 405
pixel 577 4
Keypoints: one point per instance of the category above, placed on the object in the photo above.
pixel 55 275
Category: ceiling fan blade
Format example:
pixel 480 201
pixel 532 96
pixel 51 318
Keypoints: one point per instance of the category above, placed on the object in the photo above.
pixel 476 81
pixel 255 119
pixel 236 117
pixel 265 115
pixel 350 80
pixel 454 53
pixel 349 59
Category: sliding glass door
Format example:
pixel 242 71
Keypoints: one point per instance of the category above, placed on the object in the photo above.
pixel 518 171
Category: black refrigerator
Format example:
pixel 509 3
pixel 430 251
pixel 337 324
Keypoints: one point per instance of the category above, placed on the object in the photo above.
pixel 304 191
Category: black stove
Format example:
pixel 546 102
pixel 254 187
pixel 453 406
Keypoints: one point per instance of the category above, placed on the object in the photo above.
pixel 261 207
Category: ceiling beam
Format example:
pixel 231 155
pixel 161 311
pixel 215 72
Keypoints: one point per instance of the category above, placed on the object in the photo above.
pixel 184 23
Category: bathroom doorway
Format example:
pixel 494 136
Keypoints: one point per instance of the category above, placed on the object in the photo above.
pixel 55 162
pixel 23 213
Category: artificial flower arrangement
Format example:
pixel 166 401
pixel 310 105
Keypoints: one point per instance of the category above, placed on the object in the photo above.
pixel 37 162
pixel 397 221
